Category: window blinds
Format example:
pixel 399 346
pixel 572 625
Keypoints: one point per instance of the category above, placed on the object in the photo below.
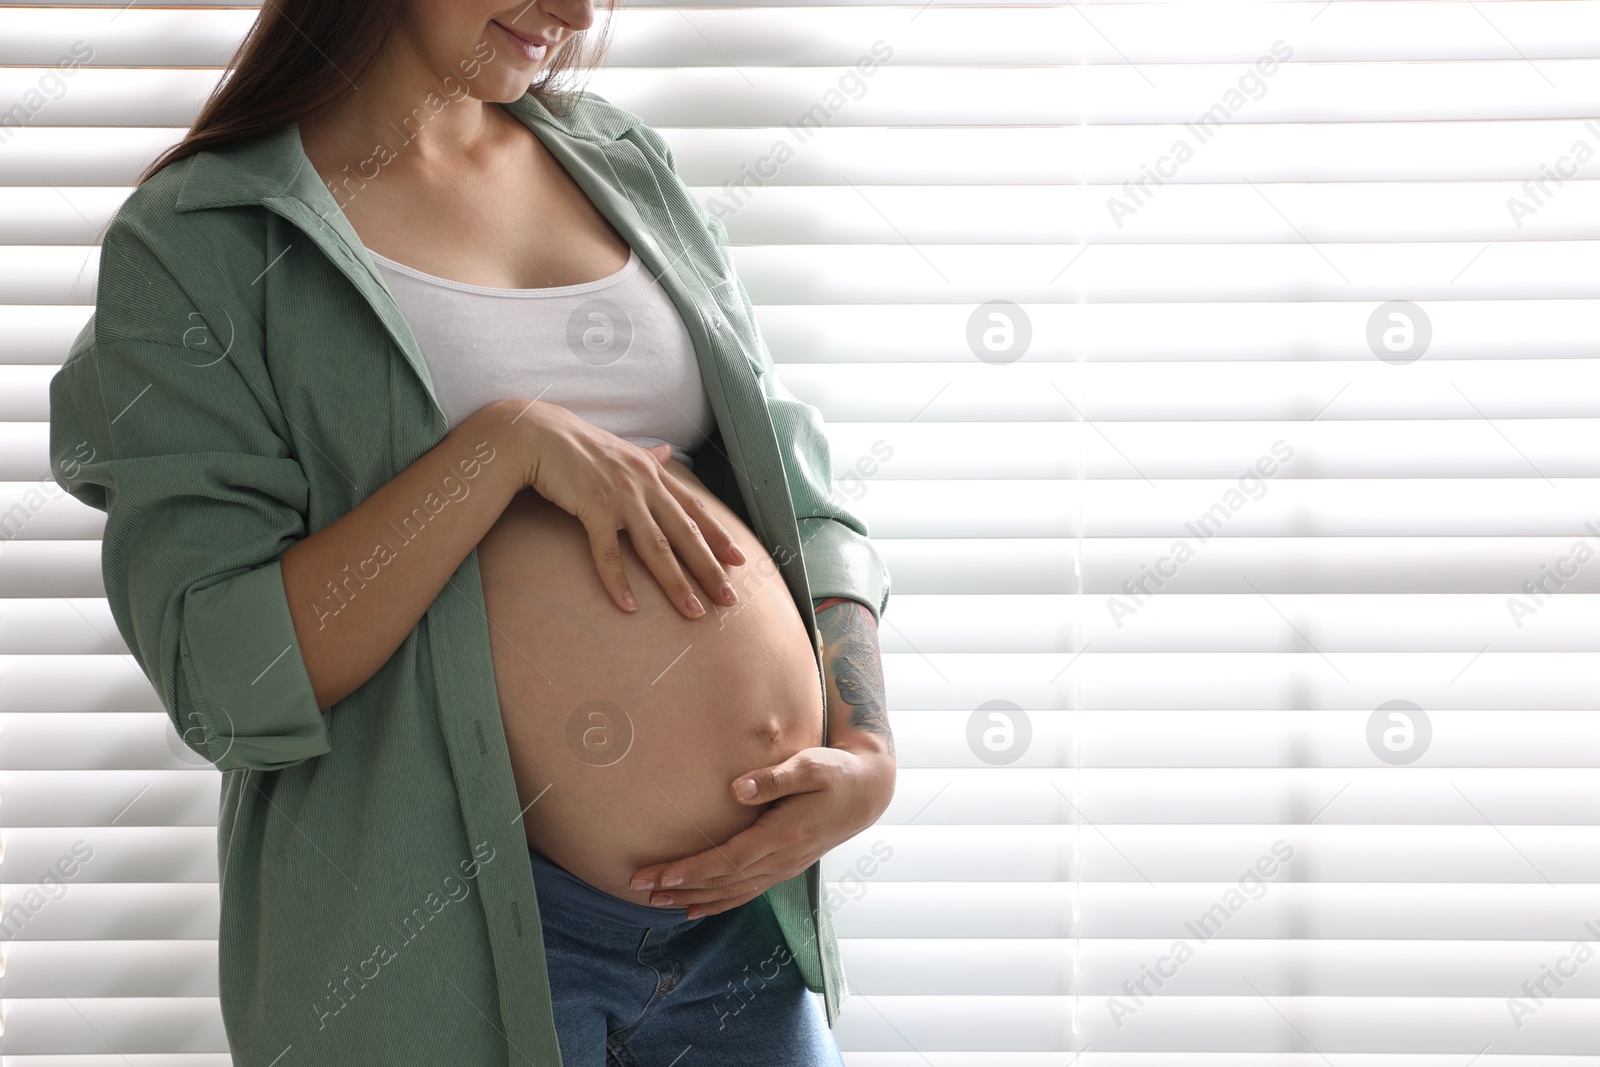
pixel 1217 380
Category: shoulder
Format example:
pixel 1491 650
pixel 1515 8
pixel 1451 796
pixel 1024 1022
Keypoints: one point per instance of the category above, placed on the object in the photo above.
pixel 162 270
pixel 154 222
pixel 149 217
pixel 590 115
pixel 593 111
pixel 153 211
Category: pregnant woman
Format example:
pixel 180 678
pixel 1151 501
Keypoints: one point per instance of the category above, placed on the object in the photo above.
pixel 456 512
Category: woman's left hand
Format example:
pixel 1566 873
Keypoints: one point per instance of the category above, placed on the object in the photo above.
pixel 822 798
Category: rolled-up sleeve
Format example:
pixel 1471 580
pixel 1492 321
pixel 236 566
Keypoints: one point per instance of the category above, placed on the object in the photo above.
pixel 202 497
pixel 839 555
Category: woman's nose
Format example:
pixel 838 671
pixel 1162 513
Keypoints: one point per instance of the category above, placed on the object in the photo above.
pixel 578 14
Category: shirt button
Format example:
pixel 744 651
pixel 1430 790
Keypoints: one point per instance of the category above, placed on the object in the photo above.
pixel 716 320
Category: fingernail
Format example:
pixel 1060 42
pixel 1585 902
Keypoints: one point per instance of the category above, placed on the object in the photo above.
pixel 662 901
pixel 692 602
pixel 672 879
pixel 738 553
pixel 642 883
pixel 728 595
pixel 628 601
pixel 746 787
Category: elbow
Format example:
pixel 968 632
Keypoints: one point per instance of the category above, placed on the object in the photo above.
pixel 244 697
pixel 842 561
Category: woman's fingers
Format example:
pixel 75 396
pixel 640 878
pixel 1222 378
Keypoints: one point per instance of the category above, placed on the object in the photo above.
pixel 697 534
pixel 690 542
pixel 666 539
pixel 656 550
pixel 610 487
pixel 697 526
pixel 716 536
pixel 603 544
pixel 717 905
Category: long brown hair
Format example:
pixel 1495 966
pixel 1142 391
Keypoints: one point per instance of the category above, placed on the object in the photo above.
pixel 303 54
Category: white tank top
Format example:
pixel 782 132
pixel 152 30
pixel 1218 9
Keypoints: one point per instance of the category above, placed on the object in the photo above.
pixel 614 352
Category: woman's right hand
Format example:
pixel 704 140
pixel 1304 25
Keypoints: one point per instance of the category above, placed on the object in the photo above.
pixel 610 484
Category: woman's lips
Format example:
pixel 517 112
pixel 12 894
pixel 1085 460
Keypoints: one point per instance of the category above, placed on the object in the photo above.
pixel 529 50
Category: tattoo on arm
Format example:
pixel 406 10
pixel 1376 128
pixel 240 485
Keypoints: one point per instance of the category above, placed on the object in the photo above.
pixel 850 654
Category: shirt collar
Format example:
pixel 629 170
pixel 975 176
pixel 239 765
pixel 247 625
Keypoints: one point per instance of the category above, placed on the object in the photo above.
pixel 275 164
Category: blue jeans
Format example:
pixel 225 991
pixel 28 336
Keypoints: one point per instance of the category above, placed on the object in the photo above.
pixel 635 986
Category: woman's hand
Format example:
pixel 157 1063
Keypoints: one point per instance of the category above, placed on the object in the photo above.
pixel 610 484
pixel 821 797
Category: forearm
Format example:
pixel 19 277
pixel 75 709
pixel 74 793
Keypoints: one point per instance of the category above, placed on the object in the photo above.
pixel 358 586
pixel 858 712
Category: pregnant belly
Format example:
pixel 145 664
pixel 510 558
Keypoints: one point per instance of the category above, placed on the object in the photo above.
pixel 626 729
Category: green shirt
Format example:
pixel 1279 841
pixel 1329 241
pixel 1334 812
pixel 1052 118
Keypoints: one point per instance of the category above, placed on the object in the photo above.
pixel 245 380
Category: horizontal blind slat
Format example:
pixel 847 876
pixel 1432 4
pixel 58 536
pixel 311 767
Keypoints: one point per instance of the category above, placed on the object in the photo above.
pixel 1154 34
pixel 1461 150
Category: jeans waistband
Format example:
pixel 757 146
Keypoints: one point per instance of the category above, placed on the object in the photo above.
pixel 556 882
